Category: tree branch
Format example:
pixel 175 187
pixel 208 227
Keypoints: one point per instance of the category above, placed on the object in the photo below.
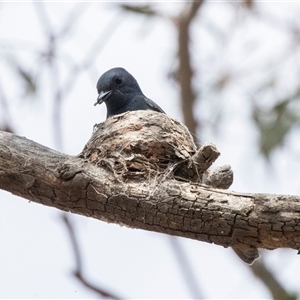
pixel 184 73
pixel 110 182
pixel 78 273
pixel 260 270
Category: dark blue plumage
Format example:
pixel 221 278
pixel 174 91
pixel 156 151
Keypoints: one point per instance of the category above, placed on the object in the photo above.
pixel 121 93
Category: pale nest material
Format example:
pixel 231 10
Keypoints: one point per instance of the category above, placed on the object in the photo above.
pixel 139 144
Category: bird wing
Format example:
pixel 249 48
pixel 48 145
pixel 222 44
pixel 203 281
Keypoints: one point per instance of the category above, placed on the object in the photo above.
pixel 153 106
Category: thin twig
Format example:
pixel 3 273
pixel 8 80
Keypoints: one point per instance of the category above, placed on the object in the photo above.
pixel 185 72
pixel 186 268
pixel 278 292
pixel 6 116
pixel 78 273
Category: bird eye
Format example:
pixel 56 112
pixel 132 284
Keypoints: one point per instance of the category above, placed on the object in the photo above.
pixel 119 80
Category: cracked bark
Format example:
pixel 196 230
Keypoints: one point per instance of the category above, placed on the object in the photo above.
pixel 88 185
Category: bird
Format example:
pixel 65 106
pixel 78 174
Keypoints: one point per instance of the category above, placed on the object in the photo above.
pixel 120 91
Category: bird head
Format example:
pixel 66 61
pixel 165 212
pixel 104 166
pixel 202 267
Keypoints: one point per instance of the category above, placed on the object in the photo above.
pixel 114 86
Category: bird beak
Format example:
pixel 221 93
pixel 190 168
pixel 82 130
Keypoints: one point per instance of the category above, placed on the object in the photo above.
pixel 101 97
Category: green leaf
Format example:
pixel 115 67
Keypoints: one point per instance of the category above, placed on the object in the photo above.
pixel 140 9
pixel 275 124
pixel 28 79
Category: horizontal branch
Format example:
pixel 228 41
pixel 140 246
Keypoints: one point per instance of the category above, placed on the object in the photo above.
pixel 165 205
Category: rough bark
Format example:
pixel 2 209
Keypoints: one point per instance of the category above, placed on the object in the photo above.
pixel 148 194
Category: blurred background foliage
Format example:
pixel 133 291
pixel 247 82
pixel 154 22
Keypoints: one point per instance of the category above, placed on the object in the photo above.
pixel 275 118
pixel 251 53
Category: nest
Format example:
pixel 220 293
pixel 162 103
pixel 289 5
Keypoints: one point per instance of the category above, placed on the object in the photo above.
pixel 141 144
